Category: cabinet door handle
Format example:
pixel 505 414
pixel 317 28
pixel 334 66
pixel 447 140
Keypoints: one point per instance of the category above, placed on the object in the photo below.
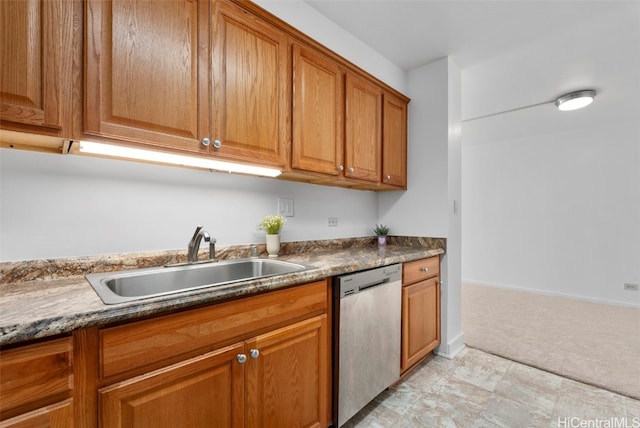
pixel 254 353
pixel 425 269
pixel 388 177
pixel 350 169
pixel 217 144
pixel 242 358
pixel 206 142
pixel 340 168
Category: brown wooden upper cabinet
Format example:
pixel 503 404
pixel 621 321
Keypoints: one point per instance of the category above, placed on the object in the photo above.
pixel 251 87
pixel 150 67
pixel 220 78
pixel 345 126
pixel 363 130
pixel 36 45
pixel 146 72
pixel 394 142
pixel 318 105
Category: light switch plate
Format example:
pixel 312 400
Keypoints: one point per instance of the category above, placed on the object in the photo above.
pixel 285 207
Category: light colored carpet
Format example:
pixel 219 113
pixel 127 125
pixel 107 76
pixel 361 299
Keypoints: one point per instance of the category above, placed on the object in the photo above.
pixel 594 343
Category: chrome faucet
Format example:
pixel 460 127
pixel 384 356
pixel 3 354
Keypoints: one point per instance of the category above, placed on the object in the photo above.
pixel 194 245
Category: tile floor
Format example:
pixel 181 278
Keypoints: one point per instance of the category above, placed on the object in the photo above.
pixel 477 389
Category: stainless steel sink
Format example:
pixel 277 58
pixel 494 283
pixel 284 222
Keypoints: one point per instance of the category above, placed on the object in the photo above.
pixel 118 287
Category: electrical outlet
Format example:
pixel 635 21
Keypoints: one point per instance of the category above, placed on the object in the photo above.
pixel 333 222
pixel 630 287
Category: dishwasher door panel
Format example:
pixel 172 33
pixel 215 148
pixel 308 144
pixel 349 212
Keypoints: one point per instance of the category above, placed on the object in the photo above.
pixel 369 346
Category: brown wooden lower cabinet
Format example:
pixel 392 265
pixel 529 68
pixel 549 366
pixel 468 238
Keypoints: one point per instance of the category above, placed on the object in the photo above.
pixel 59 415
pixel 203 391
pixel 259 361
pixel 36 385
pixel 273 380
pixel 286 383
pixel 420 311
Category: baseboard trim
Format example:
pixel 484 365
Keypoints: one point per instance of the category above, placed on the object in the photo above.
pixel 452 348
pixel 550 293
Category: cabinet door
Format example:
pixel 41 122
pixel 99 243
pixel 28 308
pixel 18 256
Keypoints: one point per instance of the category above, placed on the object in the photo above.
pixel 420 321
pixel 318 105
pixel 206 391
pixel 147 72
pixel 394 142
pixel 58 415
pixel 287 383
pixel 251 87
pixel 363 136
pixel 36 45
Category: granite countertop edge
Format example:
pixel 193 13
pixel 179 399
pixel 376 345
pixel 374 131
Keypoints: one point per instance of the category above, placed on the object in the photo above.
pixel 38 309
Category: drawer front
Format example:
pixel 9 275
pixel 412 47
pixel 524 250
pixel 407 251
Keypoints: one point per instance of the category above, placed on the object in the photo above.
pixel 35 375
pixel 154 343
pixel 420 270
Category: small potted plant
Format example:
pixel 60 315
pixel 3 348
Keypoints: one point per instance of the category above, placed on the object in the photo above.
pixel 381 232
pixel 272 224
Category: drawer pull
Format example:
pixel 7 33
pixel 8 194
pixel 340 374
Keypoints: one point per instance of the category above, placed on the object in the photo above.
pixel 242 358
pixel 425 269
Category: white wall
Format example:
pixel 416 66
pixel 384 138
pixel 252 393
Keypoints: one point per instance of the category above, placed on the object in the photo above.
pixel 63 206
pixel 453 337
pixel 419 211
pixel 552 199
pixel 556 213
pixel 434 181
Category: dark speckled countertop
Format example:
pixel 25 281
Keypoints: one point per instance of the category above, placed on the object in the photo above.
pixel 37 300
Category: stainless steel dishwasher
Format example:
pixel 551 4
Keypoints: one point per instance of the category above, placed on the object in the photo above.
pixel 367 309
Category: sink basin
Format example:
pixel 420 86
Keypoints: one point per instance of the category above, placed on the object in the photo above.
pixel 118 287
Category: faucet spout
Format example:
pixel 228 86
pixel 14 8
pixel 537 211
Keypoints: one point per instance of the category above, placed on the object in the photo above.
pixel 194 244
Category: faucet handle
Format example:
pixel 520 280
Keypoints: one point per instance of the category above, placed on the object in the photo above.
pixel 212 250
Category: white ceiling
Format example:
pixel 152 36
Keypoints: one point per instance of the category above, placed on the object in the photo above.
pixel 411 33
pixel 512 53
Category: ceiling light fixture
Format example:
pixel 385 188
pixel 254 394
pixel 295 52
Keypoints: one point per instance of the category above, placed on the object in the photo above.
pixel 575 100
pixel 124 152
pixel 567 102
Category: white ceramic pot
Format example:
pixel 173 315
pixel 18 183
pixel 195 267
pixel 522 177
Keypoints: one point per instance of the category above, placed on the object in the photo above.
pixel 273 245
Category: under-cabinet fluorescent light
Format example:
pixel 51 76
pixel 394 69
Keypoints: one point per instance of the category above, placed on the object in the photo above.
pixel 575 100
pixel 173 159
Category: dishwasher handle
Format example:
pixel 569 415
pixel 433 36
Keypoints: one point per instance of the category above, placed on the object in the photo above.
pixel 354 283
pixel 363 287
pixel 350 289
